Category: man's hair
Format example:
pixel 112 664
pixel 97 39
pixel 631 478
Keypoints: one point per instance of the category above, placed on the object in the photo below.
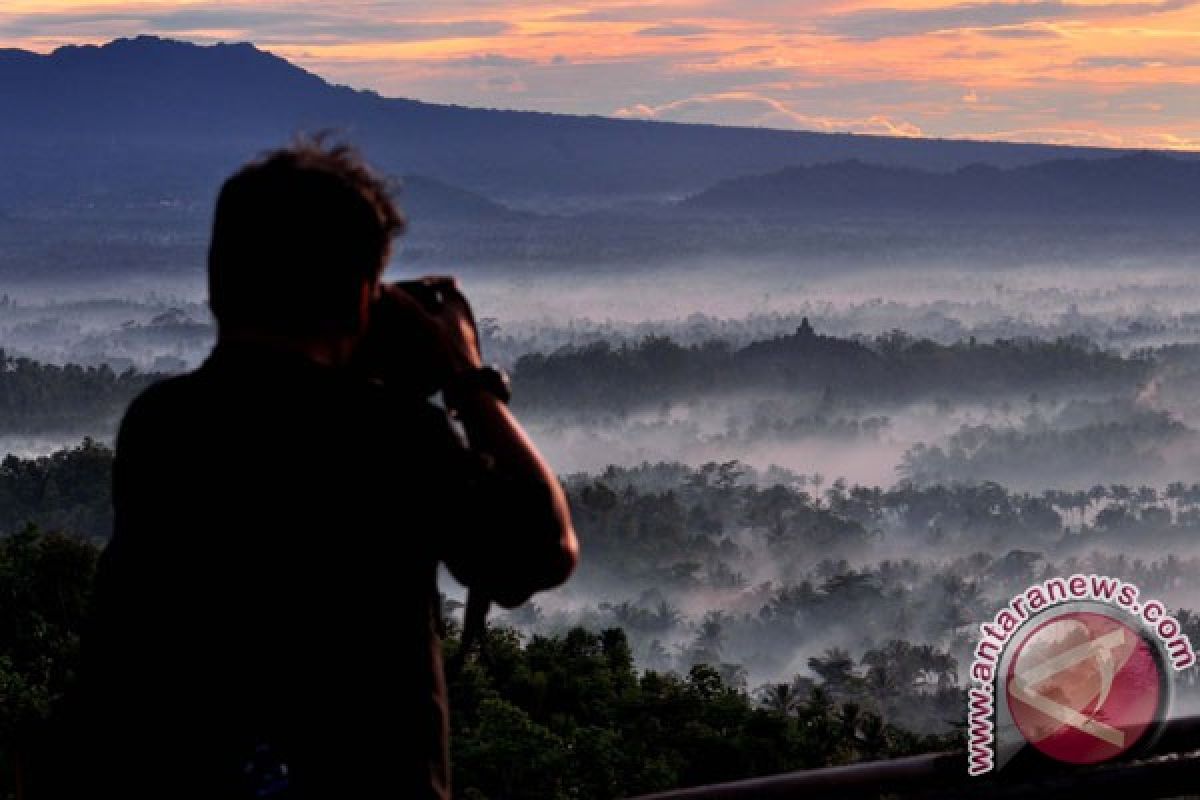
pixel 295 235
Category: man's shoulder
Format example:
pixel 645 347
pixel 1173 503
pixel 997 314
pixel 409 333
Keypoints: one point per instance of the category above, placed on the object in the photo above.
pixel 168 391
pixel 164 399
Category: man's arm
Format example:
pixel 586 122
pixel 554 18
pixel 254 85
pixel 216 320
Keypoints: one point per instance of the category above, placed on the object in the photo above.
pixel 519 539
pixel 539 550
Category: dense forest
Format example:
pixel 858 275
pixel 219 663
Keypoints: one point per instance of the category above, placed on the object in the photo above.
pixel 41 397
pixel 706 638
pixel 565 716
pixel 534 717
pixel 37 397
pixel 895 366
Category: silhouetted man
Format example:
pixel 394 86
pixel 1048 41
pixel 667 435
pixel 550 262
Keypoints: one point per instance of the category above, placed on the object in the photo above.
pixel 267 611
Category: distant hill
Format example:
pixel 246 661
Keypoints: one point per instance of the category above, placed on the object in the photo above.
pixel 896 366
pixel 155 118
pixel 1141 183
pixel 427 199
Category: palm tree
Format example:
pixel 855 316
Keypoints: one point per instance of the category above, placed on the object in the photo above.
pixel 836 670
pixel 781 698
pixel 884 682
pixel 706 648
pixel 848 719
pixel 666 616
pixel 873 741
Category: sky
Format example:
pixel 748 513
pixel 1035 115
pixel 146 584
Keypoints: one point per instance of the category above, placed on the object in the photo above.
pixel 1094 72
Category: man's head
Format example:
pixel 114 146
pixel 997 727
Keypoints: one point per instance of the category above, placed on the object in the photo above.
pixel 299 241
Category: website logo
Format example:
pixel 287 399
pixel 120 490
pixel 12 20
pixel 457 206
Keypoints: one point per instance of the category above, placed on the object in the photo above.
pixel 1076 668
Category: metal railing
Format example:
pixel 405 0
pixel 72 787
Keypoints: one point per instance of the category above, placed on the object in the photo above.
pixel 1171 768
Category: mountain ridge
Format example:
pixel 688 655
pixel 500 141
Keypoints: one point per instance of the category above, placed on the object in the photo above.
pixel 152 112
pixel 1139 182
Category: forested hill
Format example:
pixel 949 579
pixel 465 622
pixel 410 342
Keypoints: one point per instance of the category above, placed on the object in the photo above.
pixel 895 366
pixel 426 199
pixel 1134 184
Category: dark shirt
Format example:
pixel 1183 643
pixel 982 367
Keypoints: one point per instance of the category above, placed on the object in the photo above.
pixel 269 595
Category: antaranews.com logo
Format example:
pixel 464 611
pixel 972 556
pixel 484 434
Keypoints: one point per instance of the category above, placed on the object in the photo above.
pixel 1077 668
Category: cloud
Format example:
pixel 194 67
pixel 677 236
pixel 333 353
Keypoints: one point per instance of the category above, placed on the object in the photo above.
pixel 1110 62
pixel 970 54
pixel 1142 108
pixel 1063 136
pixel 675 30
pixel 757 110
pixel 488 60
pixel 505 83
pixel 871 24
pixel 629 13
pixel 1019 32
pixel 263 26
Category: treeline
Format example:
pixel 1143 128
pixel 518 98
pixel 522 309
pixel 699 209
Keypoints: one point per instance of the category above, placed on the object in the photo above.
pixel 676 522
pixel 571 717
pixel 69 490
pixel 894 367
pixel 677 525
pixel 655 516
pixel 1091 453
pixel 41 398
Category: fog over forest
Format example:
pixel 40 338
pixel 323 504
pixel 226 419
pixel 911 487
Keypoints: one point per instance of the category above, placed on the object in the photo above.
pixel 873 435
pixel 738 489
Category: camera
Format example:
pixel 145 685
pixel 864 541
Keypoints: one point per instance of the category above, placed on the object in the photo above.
pixel 400 348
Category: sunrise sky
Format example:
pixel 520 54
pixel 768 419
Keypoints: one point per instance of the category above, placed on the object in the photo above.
pixel 1104 72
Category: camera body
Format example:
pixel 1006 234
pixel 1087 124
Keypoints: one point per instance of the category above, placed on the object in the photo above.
pixel 400 349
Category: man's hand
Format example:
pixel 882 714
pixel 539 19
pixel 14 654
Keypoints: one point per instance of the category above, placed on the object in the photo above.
pixel 420 334
pixel 444 311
